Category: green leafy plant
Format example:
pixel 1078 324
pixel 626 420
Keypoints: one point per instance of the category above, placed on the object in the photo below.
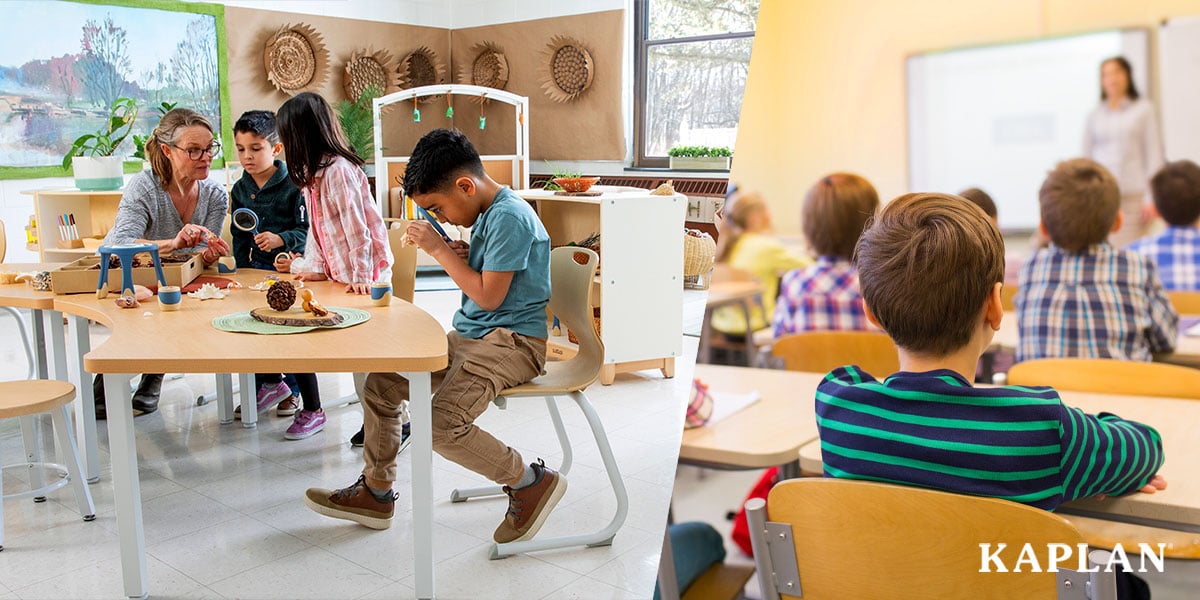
pixel 358 121
pixel 139 141
pixel 699 151
pixel 121 116
pixel 559 173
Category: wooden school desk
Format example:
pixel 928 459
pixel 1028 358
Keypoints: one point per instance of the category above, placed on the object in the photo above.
pixel 1187 348
pixel 1177 420
pixel 728 292
pixel 398 338
pixel 767 433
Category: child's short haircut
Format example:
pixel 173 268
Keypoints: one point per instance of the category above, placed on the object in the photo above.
pixel 1176 189
pixel 835 211
pixel 1079 202
pixel 981 199
pixel 260 123
pixel 440 157
pixel 925 266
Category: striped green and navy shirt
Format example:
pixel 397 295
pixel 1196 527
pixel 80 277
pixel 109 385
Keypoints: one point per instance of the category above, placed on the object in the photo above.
pixel 1017 443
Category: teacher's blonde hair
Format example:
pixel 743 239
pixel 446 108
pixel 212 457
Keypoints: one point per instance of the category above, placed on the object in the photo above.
pixel 167 132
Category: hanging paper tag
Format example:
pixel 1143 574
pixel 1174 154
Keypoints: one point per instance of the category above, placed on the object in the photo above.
pixel 482 122
pixel 449 112
pixel 416 115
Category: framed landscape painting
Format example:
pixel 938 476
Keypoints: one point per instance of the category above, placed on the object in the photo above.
pixel 63 64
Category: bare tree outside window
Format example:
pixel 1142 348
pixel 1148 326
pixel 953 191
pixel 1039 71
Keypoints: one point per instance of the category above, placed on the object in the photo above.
pixel 692 60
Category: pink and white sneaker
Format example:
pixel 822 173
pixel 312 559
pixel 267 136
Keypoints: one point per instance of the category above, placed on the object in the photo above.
pixel 268 396
pixel 307 423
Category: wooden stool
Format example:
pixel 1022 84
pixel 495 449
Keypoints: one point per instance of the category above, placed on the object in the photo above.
pixel 25 399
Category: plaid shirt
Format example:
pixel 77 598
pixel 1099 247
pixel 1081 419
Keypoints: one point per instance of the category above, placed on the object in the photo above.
pixel 822 297
pixel 347 239
pixel 1099 303
pixel 1176 253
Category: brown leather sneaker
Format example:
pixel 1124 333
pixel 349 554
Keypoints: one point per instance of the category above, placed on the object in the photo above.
pixel 355 503
pixel 529 506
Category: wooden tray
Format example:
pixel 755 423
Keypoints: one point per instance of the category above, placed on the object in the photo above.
pixel 295 317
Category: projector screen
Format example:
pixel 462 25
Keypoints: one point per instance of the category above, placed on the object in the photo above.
pixel 999 117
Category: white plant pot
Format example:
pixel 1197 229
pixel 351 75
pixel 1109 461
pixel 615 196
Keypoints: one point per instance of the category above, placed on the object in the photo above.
pixel 97 173
pixel 700 163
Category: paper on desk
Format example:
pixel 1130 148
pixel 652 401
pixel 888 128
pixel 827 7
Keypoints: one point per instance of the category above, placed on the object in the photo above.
pixel 727 403
pixel 1191 327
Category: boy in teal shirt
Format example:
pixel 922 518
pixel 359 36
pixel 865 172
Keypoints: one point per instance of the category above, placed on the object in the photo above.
pixel 499 341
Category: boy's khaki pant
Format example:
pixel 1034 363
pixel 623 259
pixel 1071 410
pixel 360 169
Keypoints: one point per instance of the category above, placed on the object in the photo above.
pixel 479 369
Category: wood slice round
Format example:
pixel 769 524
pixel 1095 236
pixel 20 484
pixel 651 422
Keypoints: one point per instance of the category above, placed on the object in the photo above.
pixel 295 317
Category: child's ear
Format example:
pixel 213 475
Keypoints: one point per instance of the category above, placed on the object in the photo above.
pixel 1042 230
pixel 1118 222
pixel 871 315
pixel 466 184
pixel 993 307
pixel 276 149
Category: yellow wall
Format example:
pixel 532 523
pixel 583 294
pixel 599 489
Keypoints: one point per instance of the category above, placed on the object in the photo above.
pixel 826 89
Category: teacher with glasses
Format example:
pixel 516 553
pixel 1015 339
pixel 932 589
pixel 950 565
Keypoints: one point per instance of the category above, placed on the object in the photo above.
pixel 173 205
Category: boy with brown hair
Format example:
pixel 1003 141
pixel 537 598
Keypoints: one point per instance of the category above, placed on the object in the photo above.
pixel 1080 297
pixel 931 269
pixel 1176 251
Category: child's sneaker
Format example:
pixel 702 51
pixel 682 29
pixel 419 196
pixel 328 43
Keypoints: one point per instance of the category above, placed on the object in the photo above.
pixel 529 506
pixel 307 423
pixel 357 440
pixel 355 503
pixel 268 396
pixel 288 407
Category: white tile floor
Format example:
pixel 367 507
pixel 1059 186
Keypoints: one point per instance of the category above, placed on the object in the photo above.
pixel 224 518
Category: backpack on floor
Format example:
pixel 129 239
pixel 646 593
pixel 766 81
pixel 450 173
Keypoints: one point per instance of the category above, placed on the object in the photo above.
pixel 741 528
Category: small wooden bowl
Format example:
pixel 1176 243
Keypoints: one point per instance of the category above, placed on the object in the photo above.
pixel 576 184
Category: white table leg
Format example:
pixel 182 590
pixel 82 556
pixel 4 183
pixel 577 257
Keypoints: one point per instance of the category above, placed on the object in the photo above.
pixel 249 400
pixel 420 406
pixel 58 342
pixel 225 398
pixel 127 492
pixel 85 424
pixel 39 343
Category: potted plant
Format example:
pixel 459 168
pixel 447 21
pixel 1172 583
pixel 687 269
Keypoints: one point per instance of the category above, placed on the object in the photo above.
pixel 700 158
pixel 358 122
pixel 139 141
pixel 91 157
pixel 565 180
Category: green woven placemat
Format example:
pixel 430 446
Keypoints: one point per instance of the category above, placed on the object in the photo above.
pixel 242 322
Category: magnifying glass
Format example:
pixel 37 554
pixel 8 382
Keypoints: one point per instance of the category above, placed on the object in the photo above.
pixel 428 217
pixel 246 220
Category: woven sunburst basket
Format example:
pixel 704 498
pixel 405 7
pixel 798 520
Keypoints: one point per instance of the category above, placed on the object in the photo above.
pixel 296 59
pixel 367 68
pixel 421 67
pixel 567 69
pixel 487 68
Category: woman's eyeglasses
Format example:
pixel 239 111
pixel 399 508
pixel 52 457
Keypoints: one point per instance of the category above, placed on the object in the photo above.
pixel 211 151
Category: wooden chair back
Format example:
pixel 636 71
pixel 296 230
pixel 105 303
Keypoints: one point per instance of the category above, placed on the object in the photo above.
pixel 404 261
pixel 1185 303
pixel 1108 376
pixel 1007 293
pixel 860 539
pixel 3 241
pixel 823 351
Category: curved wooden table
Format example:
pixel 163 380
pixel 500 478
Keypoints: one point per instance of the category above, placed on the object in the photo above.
pixel 398 338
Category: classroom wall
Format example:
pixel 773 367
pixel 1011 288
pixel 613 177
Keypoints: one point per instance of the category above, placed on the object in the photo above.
pixel 476 13
pixel 826 88
pixel 430 13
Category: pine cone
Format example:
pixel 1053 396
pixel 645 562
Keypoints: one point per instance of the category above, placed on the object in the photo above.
pixel 281 295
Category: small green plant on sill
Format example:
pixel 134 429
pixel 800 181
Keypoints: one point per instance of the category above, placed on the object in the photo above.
pixel 139 141
pixel 699 151
pixel 121 116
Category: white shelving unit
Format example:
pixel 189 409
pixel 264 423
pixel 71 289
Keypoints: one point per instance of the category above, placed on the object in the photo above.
pixel 95 213
pixel 640 286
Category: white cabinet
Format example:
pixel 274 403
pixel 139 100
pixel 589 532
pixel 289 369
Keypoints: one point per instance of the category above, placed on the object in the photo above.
pixel 95 213
pixel 640 286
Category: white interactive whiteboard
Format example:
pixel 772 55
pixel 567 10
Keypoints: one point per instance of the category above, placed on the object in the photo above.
pixel 1179 53
pixel 999 117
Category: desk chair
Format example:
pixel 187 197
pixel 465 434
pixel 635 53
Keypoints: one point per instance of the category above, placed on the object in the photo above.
pixel 24 400
pixel 748 347
pixel 571 273
pixel 839 538
pixel 823 351
pixel 1109 376
pixel 1185 303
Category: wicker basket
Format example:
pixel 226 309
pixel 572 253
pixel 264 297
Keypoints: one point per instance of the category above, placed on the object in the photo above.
pixel 699 250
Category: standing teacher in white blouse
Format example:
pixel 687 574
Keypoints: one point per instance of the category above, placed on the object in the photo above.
pixel 1122 134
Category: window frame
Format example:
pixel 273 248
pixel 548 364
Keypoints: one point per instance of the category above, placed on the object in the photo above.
pixel 641 52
